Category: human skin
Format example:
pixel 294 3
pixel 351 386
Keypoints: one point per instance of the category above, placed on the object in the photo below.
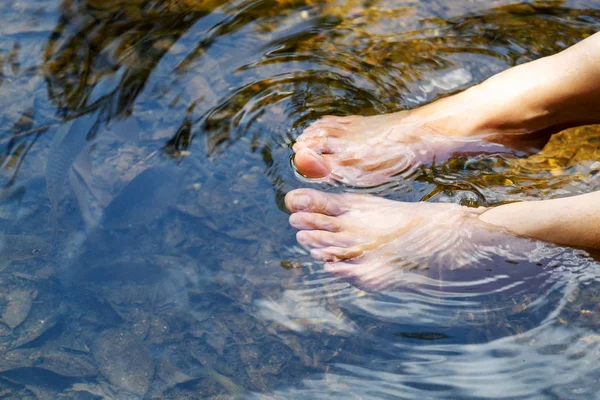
pixel 557 91
pixel 573 221
pixel 504 111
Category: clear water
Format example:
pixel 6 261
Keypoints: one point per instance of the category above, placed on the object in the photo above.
pixel 149 143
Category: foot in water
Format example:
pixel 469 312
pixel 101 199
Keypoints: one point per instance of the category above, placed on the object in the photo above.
pixel 372 239
pixel 369 151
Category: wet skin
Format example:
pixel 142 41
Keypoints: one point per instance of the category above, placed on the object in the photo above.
pixel 508 109
pixel 372 239
pixel 369 151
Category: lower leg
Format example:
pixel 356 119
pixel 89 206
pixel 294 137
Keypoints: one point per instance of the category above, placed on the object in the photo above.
pixel 540 96
pixel 374 239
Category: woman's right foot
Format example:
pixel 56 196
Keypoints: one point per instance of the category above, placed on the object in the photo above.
pixel 495 116
pixel 369 151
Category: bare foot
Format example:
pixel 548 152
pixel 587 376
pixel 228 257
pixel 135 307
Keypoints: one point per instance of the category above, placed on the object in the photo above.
pixel 497 115
pixel 539 96
pixel 371 238
pixel 369 151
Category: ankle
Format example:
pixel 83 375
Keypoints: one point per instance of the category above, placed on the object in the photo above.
pixel 452 116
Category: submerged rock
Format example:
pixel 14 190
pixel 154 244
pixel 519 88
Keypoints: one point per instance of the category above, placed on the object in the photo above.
pixel 125 361
pixel 59 362
pixel 18 307
pixel 21 247
pixel 146 198
pixel 43 317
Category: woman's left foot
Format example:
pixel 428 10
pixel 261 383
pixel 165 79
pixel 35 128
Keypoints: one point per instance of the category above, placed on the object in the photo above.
pixel 368 237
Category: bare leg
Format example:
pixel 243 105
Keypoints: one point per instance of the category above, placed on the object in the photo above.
pixel 561 90
pixel 372 239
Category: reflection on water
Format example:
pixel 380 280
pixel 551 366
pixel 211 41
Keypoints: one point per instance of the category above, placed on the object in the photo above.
pixel 144 250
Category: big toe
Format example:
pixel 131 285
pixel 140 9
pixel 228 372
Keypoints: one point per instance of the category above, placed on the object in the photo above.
pixel 310 164
pixel 313 201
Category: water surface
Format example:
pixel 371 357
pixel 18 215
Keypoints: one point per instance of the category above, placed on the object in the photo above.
pixel 149 143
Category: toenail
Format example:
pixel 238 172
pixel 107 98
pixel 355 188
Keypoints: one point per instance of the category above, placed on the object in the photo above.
pixel 301 201
pixel 313 154
pixel 302 238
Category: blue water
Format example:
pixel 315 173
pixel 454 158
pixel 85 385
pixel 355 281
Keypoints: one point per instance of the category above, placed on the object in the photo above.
pixel 174 273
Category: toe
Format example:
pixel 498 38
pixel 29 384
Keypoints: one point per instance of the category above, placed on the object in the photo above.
pixel 320 145
pixel 310 164
pixel 331 254
pixel 322 239
pixel 310 200
pixel 323 128
pixel 313 131
pixel 310 221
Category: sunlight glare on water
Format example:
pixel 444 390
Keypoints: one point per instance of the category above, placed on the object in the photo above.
pixel 145 250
